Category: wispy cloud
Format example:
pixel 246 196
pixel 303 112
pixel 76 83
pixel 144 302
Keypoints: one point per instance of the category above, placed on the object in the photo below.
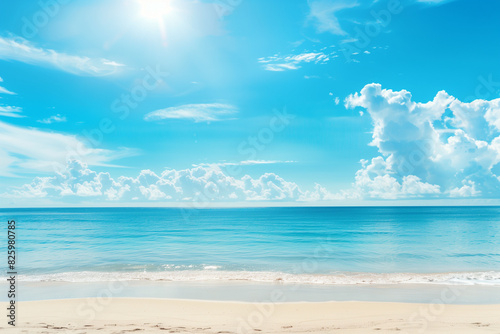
pixel 435 2
pixel 25 150
pixel 19 49
pixel 10 111
pixel 203 112
pixel 279 63
pixel 322 14
pixel 281 67
pixel 4 90
pixel 53 119
pixel 245 163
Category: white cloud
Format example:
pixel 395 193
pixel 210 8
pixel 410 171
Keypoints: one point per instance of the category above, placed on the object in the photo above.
pixel 245 163
pixel 4 90
pixel 376 180
pixel 322 14
pixel 434 2
pixel 10 111
pixel 281 67
pixel 467 190
pixel 204 112
pixel 19 49
pixel 425 151
pixel 200 184
pixel 279 63
pixel 265 162
pixel 480 119
pixel 30 150
pixel 53 119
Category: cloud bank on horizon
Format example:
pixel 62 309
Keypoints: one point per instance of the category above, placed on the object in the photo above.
pixel 198 184
pixel 439 149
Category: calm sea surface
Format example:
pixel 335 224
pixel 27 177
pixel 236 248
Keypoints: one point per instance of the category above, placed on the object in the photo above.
pixel 311 245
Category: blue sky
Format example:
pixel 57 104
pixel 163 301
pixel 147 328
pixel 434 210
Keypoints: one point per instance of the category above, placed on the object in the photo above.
pixel 156 101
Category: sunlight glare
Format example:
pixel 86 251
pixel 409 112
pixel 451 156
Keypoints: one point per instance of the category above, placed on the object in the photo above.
pixel 155 9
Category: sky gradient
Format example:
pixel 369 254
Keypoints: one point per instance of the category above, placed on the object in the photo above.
pixel 199 103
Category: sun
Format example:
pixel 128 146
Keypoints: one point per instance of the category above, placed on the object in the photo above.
pixel 155 9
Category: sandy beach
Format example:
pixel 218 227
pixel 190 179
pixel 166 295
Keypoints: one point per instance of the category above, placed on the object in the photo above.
pixel 123 315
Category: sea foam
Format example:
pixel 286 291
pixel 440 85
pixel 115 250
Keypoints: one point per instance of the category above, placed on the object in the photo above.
pixel 491 278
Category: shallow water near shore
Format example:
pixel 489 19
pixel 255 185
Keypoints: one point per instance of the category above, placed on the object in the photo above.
pixel 259 292
pixel 344 247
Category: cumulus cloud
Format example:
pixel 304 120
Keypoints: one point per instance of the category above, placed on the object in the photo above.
pixel 323 15
pixel 377 180
pixel 467 190
pixel 19 49
pixel 199 184
pixel 33 150
pixel 437 149
pixel 203 112
pixel 442 147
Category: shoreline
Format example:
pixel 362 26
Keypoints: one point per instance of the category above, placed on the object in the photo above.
pixel 118 315
pixel 244 291
pixel 215 273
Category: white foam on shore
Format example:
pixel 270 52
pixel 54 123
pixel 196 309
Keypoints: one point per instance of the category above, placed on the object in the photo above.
pixel 211 274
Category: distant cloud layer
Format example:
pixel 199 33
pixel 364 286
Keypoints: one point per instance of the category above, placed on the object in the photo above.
pixel 200 184
pixel 19 49
pixel 442 147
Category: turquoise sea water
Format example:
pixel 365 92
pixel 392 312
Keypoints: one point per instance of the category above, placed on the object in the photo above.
pixel 369 245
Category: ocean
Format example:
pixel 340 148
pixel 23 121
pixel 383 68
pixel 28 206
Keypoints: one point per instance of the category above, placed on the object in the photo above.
pixel 323 246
